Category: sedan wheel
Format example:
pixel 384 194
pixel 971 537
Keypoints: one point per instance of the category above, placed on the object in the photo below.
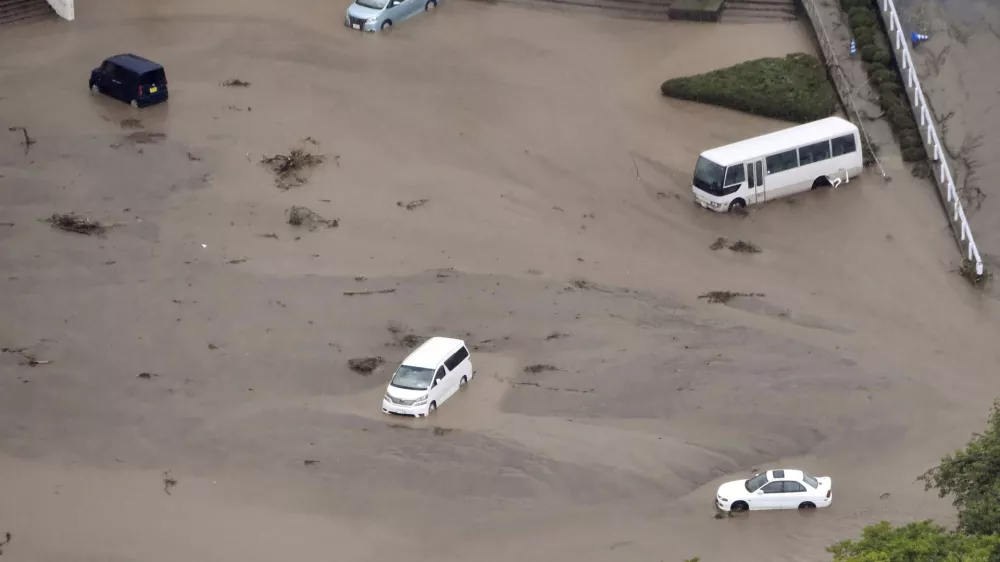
pixel 807 505
pixel 739 507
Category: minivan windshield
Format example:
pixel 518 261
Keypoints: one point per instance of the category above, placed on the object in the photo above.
pixel 373 4
pixel 708 176
pixel 756 482
pixel 412 378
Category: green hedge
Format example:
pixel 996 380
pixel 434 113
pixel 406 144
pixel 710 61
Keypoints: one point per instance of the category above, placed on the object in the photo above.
pixel 794 88
pixel 873 45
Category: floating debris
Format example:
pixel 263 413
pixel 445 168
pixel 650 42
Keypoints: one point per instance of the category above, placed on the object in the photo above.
pixel 369 292
pixel 235 83
pixel 745 247
pixel 286 167
pixel 365 365
pixel 71 222
pixel 412 204
pixel 304 216
pixel 540 367
pixel 723 297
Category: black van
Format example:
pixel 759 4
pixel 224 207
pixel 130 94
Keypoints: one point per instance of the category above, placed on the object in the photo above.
pixel 131 79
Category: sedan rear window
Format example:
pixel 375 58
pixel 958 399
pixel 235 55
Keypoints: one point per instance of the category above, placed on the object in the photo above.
pixel 810 480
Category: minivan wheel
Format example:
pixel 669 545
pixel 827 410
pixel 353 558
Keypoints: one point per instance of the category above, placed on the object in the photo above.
pixel 386 25
pixel 740 507
pixel 463 383
pixel 807 505
pixel 135 104
pixel 430 5
pixel 737 205
pixel 95 89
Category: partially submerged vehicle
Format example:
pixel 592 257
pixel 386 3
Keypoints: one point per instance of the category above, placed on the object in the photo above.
pixel 428 377
pixel 381 15
pixel 130 78
pixel 823 153
pixel 776 489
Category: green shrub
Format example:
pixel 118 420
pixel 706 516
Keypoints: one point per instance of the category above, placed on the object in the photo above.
pixel 860 19
pixel 864 36
pixel 910 140
pixel 891 88
pixel 868 53
pixel 794 88
pixel 881 57
pixel 914 154
pixel 882 75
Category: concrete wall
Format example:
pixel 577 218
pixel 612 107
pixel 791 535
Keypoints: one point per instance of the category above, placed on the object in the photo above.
pixel 64 8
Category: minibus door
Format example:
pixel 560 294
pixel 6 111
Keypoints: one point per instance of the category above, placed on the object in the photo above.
pixel 755 182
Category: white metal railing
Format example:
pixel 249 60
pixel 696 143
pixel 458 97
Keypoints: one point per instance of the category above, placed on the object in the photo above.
pixel 923 114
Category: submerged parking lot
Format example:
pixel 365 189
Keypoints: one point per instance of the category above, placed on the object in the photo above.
pixel 556 228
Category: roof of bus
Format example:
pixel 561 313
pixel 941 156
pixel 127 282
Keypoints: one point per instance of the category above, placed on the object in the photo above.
pixel 778 141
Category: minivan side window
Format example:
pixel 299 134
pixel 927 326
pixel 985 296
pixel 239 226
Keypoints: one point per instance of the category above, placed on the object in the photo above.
pixel 457 358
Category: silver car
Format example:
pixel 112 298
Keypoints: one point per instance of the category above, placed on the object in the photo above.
pixel 374 15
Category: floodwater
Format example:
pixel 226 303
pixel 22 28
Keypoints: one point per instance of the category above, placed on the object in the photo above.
pixel 558 229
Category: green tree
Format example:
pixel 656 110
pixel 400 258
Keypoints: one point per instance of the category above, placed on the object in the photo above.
pixel 917 542
pixel 972 477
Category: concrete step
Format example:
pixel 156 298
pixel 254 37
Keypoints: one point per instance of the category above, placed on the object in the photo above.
pixel 742 11
pixel 631 9
pixel 21 11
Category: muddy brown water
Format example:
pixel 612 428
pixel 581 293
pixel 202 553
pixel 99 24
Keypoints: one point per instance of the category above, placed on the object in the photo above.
pixel 865 359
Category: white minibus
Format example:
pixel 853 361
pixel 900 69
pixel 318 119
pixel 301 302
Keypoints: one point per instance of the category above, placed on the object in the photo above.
pixel 818 154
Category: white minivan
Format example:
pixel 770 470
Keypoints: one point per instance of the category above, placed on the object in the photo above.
pixel 428 377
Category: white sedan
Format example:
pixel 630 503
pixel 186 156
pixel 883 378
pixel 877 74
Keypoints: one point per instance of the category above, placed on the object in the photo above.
pixel 776 489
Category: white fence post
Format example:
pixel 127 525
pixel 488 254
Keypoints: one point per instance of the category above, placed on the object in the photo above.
pixel 905 60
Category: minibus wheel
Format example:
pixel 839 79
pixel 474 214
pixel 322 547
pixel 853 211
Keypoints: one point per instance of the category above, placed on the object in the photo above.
pixel 822 181
pixel 737 205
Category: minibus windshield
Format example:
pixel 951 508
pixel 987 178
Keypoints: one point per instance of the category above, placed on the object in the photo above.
pixel 708 176
pixel 412 378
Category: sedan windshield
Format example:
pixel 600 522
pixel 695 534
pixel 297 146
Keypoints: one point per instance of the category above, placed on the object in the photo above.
pixel 373 4
pixel 412 378
pixel 708 176
pixel 756 482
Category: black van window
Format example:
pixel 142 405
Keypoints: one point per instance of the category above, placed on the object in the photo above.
pixel 457 358
pixel 109 69
pixel 153 77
